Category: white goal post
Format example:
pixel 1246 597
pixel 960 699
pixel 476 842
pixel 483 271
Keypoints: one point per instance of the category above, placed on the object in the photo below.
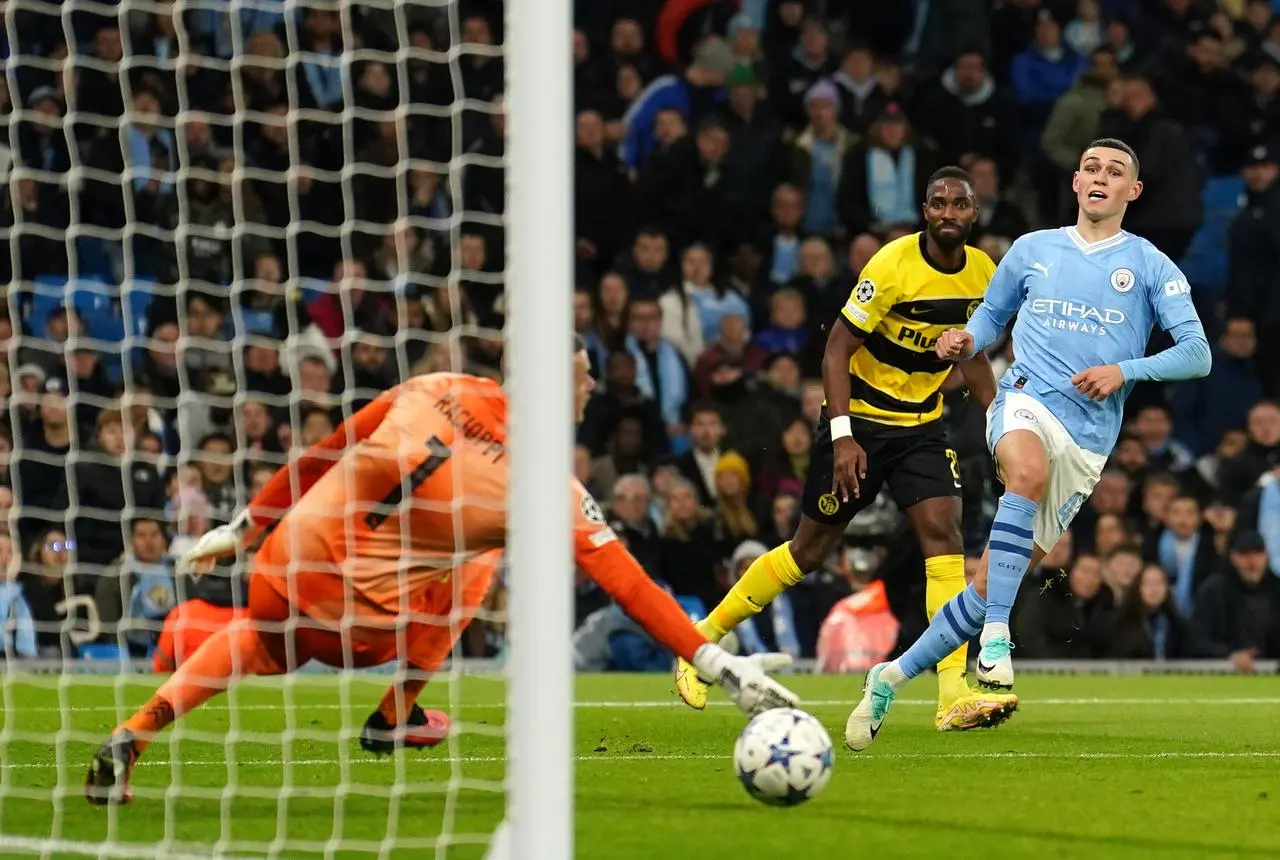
pixel 540 288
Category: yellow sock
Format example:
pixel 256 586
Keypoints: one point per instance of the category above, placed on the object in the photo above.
pixel 769 575
pixel 944 579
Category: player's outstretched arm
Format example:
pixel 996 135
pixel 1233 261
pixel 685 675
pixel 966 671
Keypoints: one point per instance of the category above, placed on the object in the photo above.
pixel 1003 298
pixel 602 557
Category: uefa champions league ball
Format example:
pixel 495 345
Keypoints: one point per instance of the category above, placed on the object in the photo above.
pixel 784 757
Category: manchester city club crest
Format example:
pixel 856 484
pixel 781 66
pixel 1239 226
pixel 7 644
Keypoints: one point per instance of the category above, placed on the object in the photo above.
pixel 1123 280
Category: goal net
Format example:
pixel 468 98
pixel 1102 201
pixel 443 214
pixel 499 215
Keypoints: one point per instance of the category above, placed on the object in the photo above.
pixel 231 225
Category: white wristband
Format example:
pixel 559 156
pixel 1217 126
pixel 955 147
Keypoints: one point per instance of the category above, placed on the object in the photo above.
pixel 841 427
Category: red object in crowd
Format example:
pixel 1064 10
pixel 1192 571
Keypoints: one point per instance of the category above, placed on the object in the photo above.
pixel 672 17
pixel 859 632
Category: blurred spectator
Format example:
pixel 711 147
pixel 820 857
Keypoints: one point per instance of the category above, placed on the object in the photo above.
pixel 685 188
pixel 1184 549
pixel 630 519
pixel 1086 31
pixel 883 180
pixel 1154 427
pixel 861 97
pixel 729 359
pixel 620 398
pixel 601 191
pixel 1254 244
pixel 1238 610
pixel 647 268
pixel 817 158
pixel 1110 496
pixel 735 519
pixel 782 237
pixel 997 216
pixel 1120 568
pixel 1149 625
pixel 15 613
pixel 42 472
pixel 139 591
pixel 755 151
pixel 1205 409
pixel 661 374
pixel 46 587
pixel 1237 475
pixel 1041 74
pixel 1170 209
pixel 683 95
pixel 810 62
pixel 1073 122
pixel 968 114
pixel 107 483
pixel 1069 617
pixel 690 551
pixel 698 465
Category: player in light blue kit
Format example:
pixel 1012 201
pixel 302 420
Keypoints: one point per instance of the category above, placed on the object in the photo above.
pixel 1087 298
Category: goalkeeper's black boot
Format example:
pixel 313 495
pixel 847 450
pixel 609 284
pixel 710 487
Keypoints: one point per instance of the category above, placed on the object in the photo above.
pixel 423 729
pixel 109 772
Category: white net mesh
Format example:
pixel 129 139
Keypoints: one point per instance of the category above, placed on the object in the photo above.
pixel 232 225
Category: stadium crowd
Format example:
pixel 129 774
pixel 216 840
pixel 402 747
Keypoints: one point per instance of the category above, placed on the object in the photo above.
pixel 736 165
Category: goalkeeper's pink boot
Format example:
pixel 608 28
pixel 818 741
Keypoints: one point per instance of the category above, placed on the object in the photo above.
pixel 109 772
pixel 422 730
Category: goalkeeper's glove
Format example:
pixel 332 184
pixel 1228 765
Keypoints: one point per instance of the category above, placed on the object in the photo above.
pixel 746 679
pixel 213 544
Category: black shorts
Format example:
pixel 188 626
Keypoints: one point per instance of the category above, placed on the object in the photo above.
pixel 916 462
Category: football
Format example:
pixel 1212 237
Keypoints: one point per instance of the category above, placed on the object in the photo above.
pixel 784 757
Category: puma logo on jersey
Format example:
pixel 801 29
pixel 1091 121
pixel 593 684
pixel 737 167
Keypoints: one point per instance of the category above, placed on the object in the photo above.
pixel 1041 268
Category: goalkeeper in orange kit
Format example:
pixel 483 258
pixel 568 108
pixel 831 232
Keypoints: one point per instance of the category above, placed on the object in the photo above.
pixel 369 562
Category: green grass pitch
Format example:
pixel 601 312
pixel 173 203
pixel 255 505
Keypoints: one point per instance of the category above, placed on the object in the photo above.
pixel 1140 767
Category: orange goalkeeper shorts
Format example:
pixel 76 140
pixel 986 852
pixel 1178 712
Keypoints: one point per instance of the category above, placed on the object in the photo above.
pixel 369 635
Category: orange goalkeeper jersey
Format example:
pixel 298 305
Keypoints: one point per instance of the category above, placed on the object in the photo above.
pixel 416 483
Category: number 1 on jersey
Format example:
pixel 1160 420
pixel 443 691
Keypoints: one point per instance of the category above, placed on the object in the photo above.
pixel 438 453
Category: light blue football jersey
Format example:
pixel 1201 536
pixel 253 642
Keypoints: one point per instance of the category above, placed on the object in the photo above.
pixel 1081 305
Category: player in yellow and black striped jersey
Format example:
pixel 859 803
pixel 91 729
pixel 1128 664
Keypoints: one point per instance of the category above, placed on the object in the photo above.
pixel 883 425
pixel 903 301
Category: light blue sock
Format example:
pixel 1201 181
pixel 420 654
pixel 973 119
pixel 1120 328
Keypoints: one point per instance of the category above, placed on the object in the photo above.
pixel 956 623
pixel 1012 540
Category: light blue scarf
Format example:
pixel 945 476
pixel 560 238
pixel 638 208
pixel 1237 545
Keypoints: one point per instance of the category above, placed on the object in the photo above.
pixel 1183 568
pixel 672 378
pixel 1269 519
pixel 891 185
pixel 15 615
pixel 139 154
pixel 1158 630
pixel 324 76
pixel 153 596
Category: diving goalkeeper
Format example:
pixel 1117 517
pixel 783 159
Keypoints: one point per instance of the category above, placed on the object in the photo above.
pixel 368 560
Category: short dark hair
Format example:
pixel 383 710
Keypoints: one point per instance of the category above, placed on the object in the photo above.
pixel 951 172
pixel 1117 143
pixel 701 406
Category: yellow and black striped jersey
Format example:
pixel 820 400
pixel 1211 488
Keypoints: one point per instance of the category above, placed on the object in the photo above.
pixel 901 304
